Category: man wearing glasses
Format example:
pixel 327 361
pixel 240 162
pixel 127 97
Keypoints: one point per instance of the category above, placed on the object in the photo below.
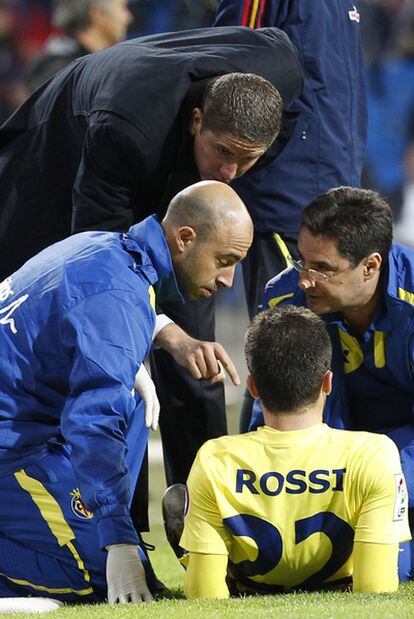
pixel 362 284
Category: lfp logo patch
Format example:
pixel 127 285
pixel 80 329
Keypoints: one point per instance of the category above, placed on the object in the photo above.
pixel 78 506
pixel 401 498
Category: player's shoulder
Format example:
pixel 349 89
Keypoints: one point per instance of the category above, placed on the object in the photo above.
pixel 283 288
pixel 225 446
pixel 401 274
pixel 364 444
pixel 100 263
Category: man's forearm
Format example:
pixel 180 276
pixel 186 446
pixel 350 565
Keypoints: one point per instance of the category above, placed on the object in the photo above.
pixel 205 576
pixel 375 567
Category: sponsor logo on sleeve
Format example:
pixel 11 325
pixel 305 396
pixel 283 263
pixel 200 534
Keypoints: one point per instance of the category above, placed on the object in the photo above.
pixel 401 498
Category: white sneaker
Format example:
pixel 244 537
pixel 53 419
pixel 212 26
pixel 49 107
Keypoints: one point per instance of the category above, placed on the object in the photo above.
pixel 28 605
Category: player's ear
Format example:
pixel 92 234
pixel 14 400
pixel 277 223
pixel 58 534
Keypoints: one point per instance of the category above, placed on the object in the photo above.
pixel 327 382
pixel 196 119
pixel 186 236
pixel 372 265
pixel 251 387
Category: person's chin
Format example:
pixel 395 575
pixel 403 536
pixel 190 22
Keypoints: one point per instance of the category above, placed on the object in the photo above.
pixel 210 176
pixel 319 305
pixel 199 292
pixel 193 295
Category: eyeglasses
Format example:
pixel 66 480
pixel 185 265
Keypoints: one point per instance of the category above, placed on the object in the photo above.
pixel 316 276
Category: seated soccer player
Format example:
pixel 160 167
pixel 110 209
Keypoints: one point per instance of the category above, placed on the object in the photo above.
pixel 294 504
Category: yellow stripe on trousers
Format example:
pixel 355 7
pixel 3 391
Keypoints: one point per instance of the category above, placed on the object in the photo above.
pixel 26 583
pixel 52 514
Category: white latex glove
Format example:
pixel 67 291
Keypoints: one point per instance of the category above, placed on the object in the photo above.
pixel 125 575
pixel 146 389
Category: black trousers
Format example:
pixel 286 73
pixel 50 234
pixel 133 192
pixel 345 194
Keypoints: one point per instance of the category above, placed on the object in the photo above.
pixel 267 257
pixel 192 411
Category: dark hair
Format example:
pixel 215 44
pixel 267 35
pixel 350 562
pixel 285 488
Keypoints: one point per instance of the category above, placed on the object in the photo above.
pixel 288 351
pixel 244 105
pixel 358 220
pixel 73 16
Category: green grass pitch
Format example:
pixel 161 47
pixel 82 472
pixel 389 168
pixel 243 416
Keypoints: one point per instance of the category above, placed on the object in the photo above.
pixel 298 605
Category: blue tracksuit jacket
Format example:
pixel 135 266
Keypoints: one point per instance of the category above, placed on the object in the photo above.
pixel 76 323
pixel 327 146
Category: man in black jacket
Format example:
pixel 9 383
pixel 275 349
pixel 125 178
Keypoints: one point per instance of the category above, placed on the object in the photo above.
pixel 114 136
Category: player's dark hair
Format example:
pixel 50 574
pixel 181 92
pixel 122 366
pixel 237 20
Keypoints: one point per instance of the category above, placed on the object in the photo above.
pixel 244 105
pixel 358 220
pixel 288 351
pixel 73 16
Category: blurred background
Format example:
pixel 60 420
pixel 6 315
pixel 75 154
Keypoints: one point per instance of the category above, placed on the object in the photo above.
pixel 27 29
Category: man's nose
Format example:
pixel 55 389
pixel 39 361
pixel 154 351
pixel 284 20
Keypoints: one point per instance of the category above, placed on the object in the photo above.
pixel 226 278
pixel 228 172
pixel 306 281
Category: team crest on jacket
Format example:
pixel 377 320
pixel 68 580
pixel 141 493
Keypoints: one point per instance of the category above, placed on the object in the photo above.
pixel 78 506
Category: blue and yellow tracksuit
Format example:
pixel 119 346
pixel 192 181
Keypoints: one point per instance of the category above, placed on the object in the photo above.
pixel 76 322
pixel 373 386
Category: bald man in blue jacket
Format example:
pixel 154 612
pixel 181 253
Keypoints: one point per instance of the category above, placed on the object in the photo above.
pixel 76 323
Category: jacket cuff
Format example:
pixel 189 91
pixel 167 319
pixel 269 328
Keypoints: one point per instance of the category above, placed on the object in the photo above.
pixel 115 526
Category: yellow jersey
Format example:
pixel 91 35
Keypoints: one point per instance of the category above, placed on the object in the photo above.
pixel 286 507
